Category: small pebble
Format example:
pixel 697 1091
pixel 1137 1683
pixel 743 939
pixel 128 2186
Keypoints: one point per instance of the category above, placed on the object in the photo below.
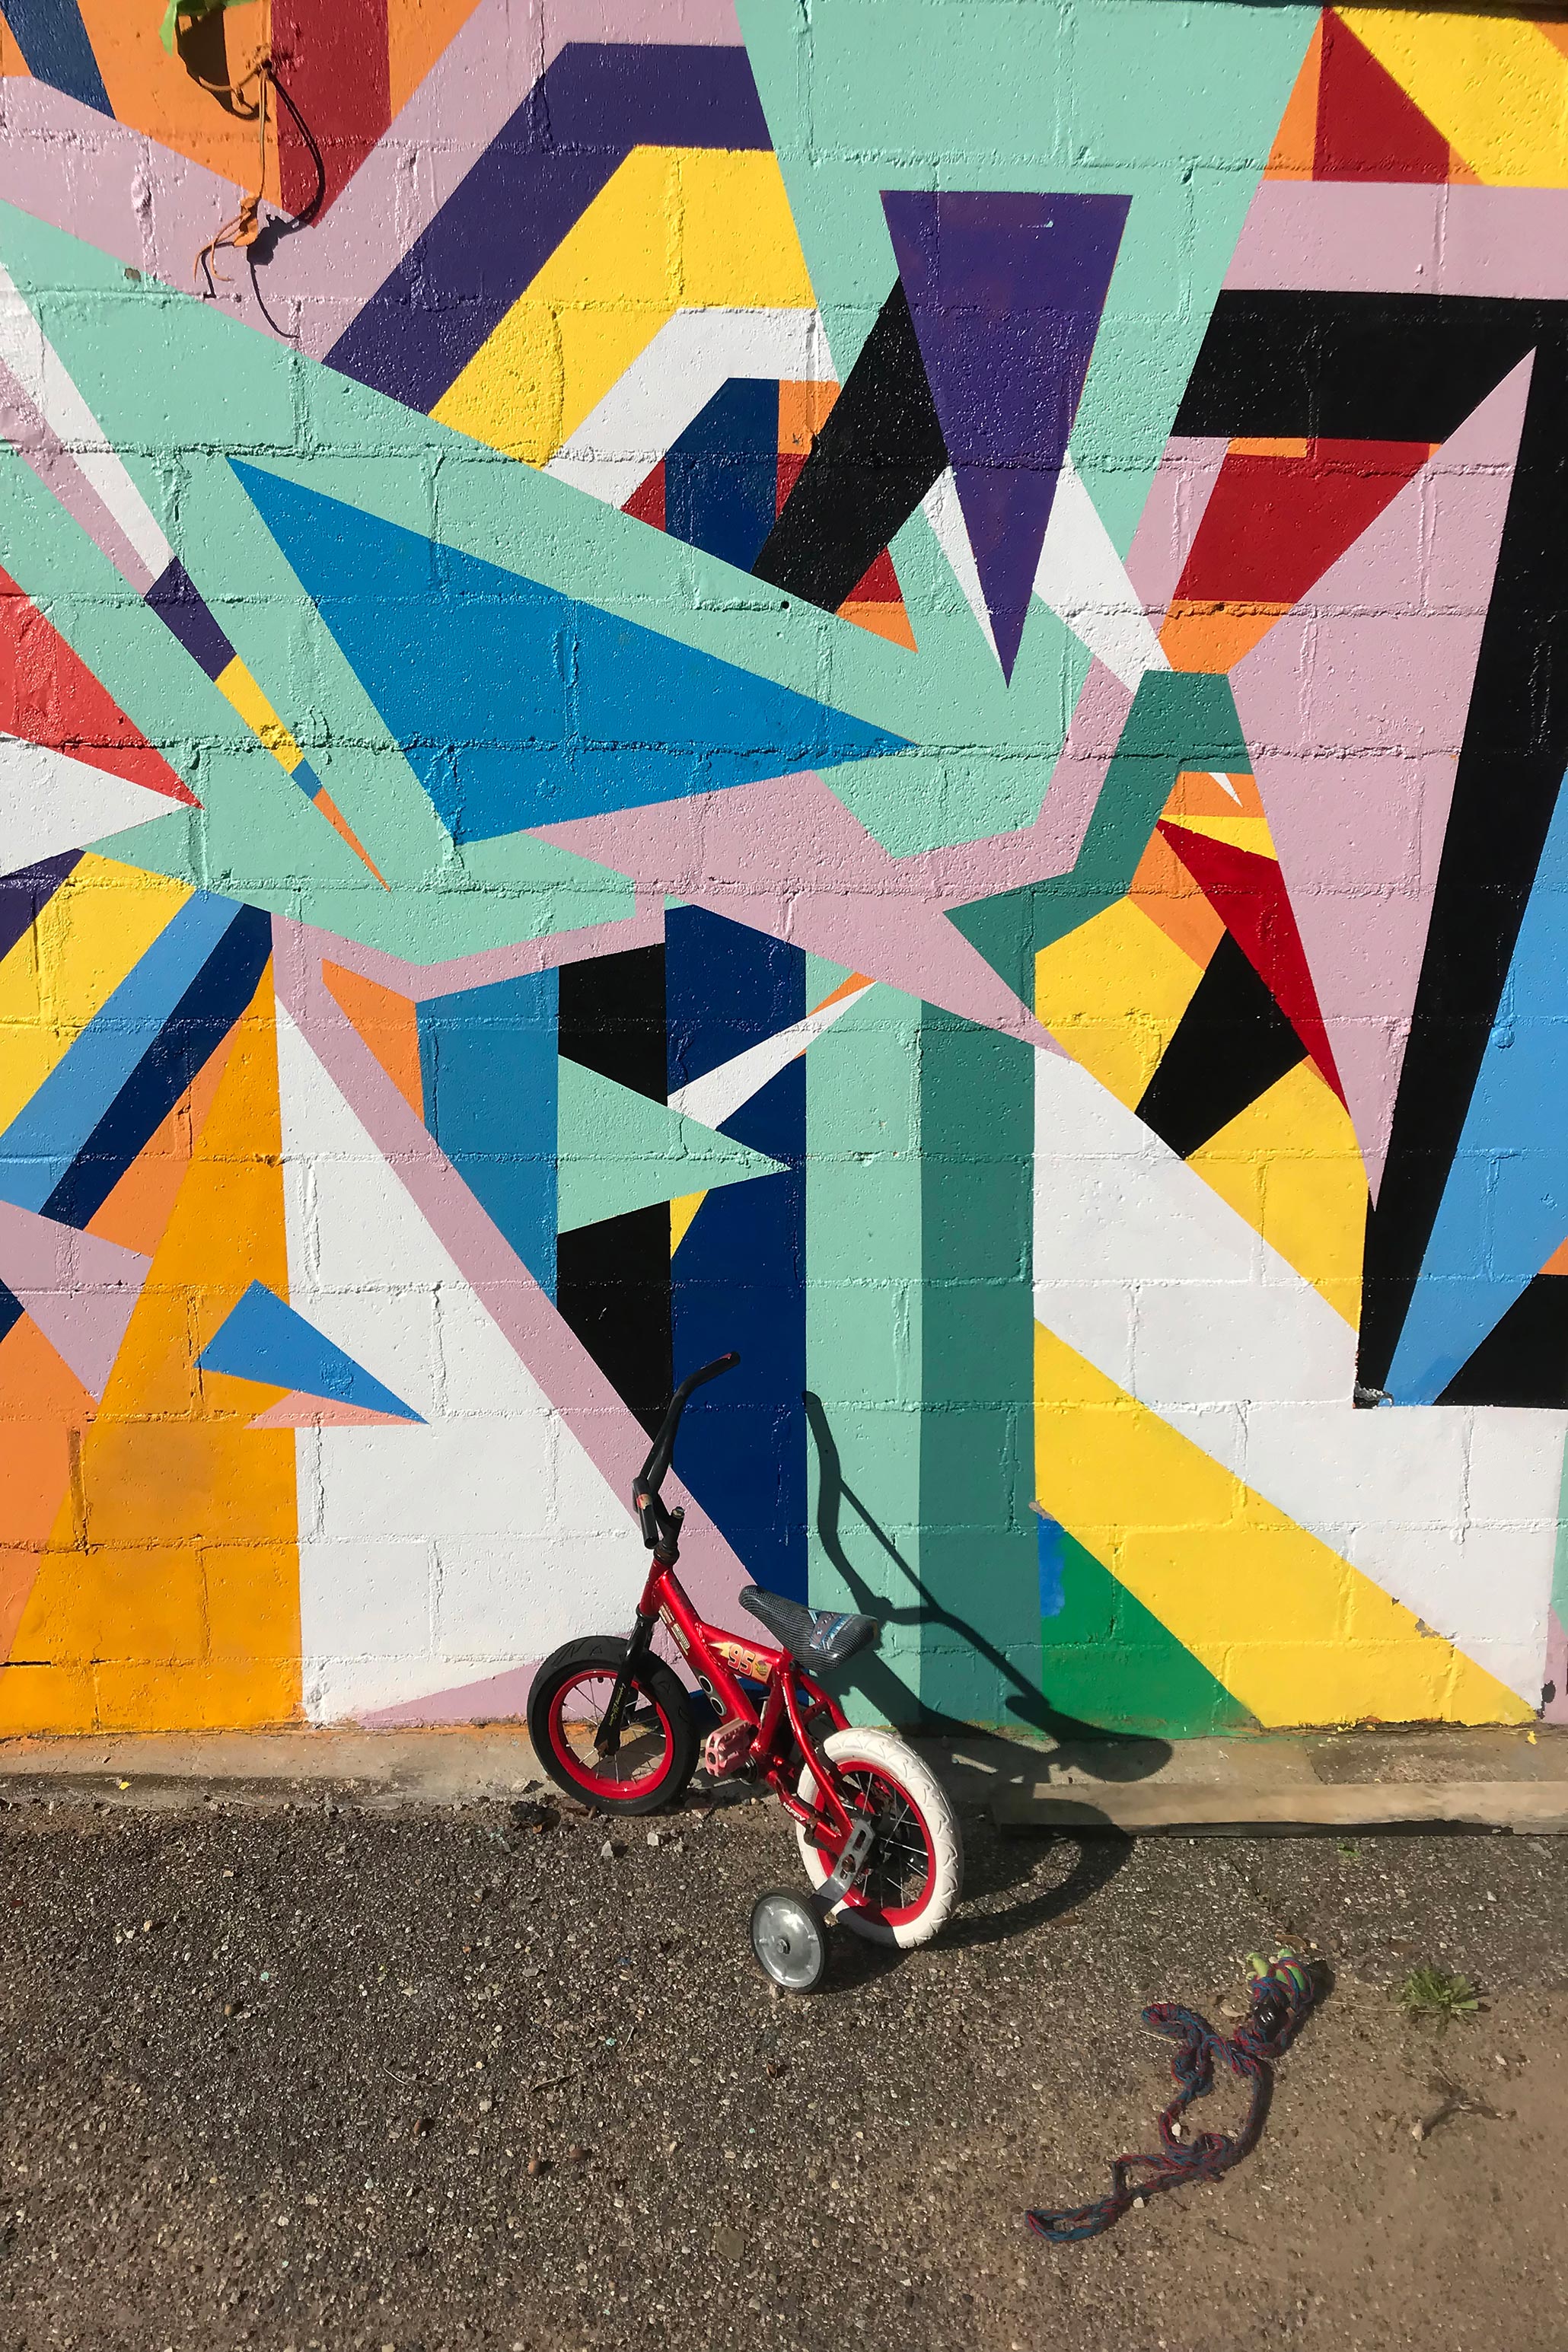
pixel 574 2154
pixel 607 1851
pixel 654 1838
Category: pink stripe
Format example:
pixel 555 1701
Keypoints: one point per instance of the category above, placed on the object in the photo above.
pixel 1355 237
pixel 297 1410
pixel 613 1439
pixel 497 1698
pixel 144 204
pixel 422 982
pixel 787 858
pixel 1354 707
pixel 1182 484
pixel 37 444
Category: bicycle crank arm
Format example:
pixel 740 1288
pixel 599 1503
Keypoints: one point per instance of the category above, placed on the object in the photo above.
pixel 845 1870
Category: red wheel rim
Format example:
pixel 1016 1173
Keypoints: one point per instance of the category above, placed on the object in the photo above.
pixel 903 1837
pixel 607 1780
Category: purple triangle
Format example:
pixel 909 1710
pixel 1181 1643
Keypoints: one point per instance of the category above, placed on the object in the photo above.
pixel 1006 292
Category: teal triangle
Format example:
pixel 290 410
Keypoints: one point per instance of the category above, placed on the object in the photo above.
pixel 262 1338
pixel 516 706
pixel 618 1150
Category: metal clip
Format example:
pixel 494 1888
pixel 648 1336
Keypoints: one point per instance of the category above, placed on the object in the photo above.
pixel 845 1870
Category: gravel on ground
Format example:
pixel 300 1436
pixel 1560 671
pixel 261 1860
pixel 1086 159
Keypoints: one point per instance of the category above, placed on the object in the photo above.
pixel 338 2075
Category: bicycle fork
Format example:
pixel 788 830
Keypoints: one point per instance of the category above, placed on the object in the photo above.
pixel 607 1738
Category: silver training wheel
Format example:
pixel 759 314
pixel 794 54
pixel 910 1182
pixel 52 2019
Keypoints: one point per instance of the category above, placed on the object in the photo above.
pixel 787 1939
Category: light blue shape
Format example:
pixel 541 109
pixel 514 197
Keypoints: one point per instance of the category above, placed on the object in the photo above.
pixel 488 1058
pixel 1050 1543
pixel 264 1339
pixel 1505 1206
pixel 517 706
pixel 46 1136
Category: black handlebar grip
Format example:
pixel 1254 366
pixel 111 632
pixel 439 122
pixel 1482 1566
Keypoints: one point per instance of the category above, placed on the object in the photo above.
pixel 651 1475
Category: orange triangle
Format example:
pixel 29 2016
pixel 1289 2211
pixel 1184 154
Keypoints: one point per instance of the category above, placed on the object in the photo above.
pixel 1295 141
pixel 889 621
pixel 388 1023
pixel 345 832
pixel 1162 889
pixel 169 1599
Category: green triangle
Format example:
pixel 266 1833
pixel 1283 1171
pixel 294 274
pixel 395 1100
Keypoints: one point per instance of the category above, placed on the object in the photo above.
pixel 616 1150
pixel 1107 1661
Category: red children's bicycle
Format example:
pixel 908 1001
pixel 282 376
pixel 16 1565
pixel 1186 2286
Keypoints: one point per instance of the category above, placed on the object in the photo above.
pixel 612 1724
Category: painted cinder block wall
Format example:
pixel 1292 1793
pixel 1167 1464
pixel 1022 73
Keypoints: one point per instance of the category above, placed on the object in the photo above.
pixel 879 683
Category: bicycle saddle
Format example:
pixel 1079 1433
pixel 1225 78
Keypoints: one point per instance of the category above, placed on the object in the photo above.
pixel 814 1637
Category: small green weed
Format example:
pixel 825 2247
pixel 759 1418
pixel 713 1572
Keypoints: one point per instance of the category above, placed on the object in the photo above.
pixel 1347 1849
pixel 1434 1996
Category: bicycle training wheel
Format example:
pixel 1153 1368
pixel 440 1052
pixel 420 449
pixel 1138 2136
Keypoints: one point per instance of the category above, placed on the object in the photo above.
pixel 913 1878
pixel 657 1750
pixel 788 1941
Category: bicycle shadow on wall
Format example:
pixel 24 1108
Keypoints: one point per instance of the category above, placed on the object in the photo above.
pixel 1007 1860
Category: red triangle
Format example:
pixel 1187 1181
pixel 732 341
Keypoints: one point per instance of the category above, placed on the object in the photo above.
pixel 646 502
pixel 1368 128
pixel 1247 893
pixel 790 464
pixel 1274 523
pixel 878 585
pixel 49 694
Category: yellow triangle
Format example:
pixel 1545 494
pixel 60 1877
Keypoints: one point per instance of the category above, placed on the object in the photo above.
pixel 168 1596
pixel 681 1213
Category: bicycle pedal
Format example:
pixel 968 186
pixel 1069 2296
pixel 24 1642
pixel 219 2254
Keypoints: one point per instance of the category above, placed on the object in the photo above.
pixel 724 1750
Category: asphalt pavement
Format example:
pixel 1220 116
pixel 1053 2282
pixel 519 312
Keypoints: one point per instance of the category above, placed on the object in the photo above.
pixel 342 2075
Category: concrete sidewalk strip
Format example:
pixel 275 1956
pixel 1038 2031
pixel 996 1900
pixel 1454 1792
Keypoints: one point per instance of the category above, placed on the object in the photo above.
pixel 1328 1781
pixel 1271 1783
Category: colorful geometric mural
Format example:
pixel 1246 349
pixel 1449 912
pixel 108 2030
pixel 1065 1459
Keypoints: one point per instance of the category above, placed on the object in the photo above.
pixel 663 691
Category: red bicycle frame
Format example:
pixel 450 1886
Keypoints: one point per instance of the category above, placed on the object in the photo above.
pixel 791 1702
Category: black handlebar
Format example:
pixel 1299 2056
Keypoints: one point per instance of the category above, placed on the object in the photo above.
pixel 652 1473
pixel 650 1478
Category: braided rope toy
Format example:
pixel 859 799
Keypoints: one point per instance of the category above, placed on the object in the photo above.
pixel 1282 1992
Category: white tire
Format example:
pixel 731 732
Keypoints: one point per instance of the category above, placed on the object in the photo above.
pixel 884 1753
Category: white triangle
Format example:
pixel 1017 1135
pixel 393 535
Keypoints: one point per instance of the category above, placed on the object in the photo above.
pixel 50 802
pixel 432 1556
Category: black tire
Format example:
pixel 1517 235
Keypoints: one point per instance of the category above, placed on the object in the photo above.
pixel 671 1763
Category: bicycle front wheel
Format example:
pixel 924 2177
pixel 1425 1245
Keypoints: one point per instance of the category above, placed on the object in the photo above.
pixel 656 1754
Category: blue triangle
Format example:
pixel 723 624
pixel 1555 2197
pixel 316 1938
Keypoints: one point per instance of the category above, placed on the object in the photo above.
pixel 516 706
pixel 263 1339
